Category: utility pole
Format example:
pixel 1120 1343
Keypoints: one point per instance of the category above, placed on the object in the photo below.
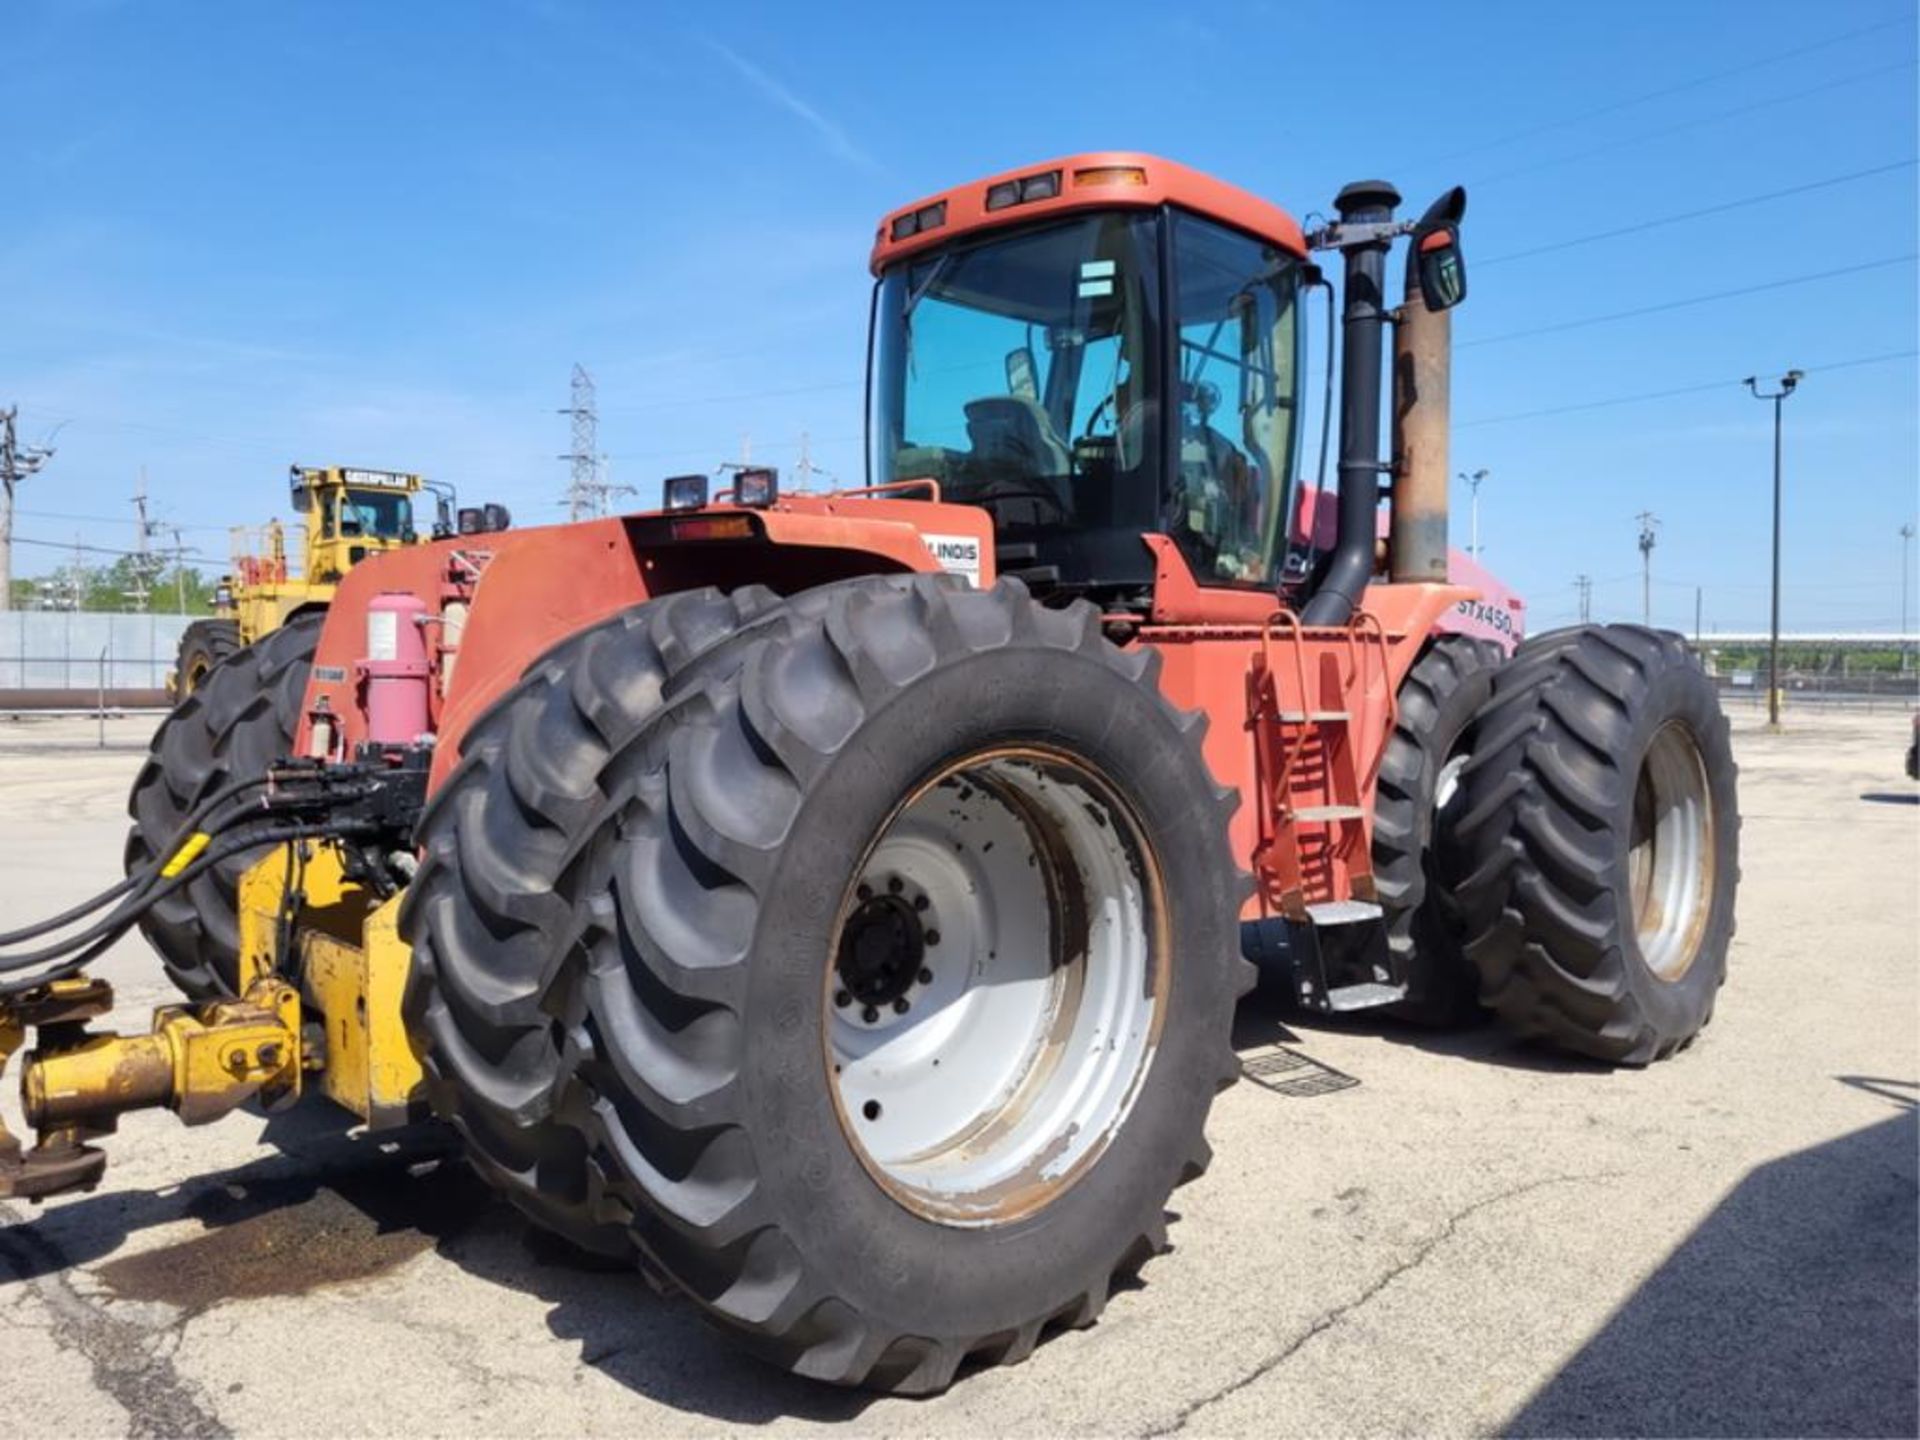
pixel 1584 584
pixel 583 487
pixel 1906 595
pixel 144 570
pixel 1788 382
pixel 1473 482
pixel 16 463
pixel 179 571
pixel 1648 521
pixel 1698 598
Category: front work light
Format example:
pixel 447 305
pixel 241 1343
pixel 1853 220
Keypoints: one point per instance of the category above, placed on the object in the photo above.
pixel 683 492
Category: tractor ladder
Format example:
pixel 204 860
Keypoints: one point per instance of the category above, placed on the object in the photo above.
pixel 1321 699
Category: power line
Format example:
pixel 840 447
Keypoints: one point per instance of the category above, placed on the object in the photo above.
pixel 1675 219
pixel 1665 130
pixel 115 520
pixel 1634 399
pixel 74 545
pixel 1689 301
pixel 1693 83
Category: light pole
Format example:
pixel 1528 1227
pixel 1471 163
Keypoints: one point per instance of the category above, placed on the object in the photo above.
pixel 1788 382
pixel 1906 593
pixel 1473 482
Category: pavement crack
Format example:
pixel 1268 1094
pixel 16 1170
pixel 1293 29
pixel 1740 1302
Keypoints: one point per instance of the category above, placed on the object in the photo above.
pixel 1329 1318
pixel 130 1361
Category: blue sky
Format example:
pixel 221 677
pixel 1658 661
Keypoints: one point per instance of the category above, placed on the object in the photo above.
pixel 241 235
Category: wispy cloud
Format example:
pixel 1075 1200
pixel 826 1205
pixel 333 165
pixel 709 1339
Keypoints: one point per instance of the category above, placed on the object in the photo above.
pixel 836 139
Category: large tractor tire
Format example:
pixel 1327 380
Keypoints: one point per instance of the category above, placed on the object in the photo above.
pixel 909 979
pixel 496 897
pixel 1599 843
pixel 1417 798
pixel 204 645
pixel 240 721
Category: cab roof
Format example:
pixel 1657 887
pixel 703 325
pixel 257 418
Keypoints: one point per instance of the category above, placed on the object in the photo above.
pixel 1099 180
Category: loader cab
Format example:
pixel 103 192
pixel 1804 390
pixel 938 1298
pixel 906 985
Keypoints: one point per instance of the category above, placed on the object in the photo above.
pixel 351 513
pixel 1102 359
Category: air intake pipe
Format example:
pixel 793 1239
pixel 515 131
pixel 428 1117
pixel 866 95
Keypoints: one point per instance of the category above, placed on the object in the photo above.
pixel 1363 313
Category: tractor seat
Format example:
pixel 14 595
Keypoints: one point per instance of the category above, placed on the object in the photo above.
pixel 1013 434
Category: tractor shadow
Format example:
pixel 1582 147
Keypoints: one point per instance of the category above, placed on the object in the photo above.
pixel 1789 1310
pixel 1269 1016
pixel 328 1208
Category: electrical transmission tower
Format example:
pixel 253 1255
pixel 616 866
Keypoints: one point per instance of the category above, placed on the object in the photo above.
pixel 583 488
pixel 1584 584
pixel 1648 521
pixel 588 490
pixel 16 463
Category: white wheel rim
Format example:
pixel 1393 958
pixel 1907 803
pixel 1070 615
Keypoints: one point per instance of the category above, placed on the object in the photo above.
pixel 996 986
pixel 1670 860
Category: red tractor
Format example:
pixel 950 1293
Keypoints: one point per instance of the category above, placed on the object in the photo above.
pixel 838 903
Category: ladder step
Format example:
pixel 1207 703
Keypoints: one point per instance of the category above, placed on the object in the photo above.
pixel 1301 717
pixel 1329 812
pixel 1342 912
pixel 1364 997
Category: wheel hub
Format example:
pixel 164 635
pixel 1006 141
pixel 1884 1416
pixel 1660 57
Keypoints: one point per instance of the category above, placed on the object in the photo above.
pixel 883 948
pixel 994 999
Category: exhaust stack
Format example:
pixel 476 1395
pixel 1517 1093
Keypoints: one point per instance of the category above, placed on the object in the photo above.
pixel 1364 204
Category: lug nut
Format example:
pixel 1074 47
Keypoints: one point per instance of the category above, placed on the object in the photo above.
pixel 920 902
pixel 925 977
pixel 870 1015
pixel 896 884
pixel 933 937
pixel 900 1006
pixel 864 891
pixel 842 999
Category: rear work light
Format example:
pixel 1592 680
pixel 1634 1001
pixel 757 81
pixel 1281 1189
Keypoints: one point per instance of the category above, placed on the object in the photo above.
pixel 683 492
pixel 918 222
pixel 1043 186
pixel 758 487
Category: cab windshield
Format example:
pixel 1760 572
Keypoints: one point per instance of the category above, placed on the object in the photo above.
pixel 1034 373
pixel 1022 373
pixel 380 514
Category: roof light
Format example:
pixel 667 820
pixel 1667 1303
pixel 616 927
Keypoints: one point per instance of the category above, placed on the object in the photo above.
pixel 1110 175
pixel 1043 186
pixel 918 222
pixel 1040 187
pixel 683 492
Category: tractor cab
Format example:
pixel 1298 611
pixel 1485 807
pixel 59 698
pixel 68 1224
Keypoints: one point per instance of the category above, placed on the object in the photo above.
pixel 1089 359
pixel 1109 347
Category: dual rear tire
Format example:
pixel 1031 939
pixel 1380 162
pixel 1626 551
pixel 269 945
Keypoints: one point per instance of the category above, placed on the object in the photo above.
pixel 887 983
pixel 1595 844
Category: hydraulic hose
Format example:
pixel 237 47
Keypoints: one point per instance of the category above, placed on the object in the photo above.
pixel 99 937
pixel 145 873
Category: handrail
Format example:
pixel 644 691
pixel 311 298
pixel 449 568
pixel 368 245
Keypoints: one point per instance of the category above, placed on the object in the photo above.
pixel 929 484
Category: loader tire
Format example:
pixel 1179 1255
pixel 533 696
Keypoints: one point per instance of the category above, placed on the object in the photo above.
pixel 238 722
pixel 1599 843
pixel 793 838
pixel 494 902
pixel 204 645
pixel 1417 797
